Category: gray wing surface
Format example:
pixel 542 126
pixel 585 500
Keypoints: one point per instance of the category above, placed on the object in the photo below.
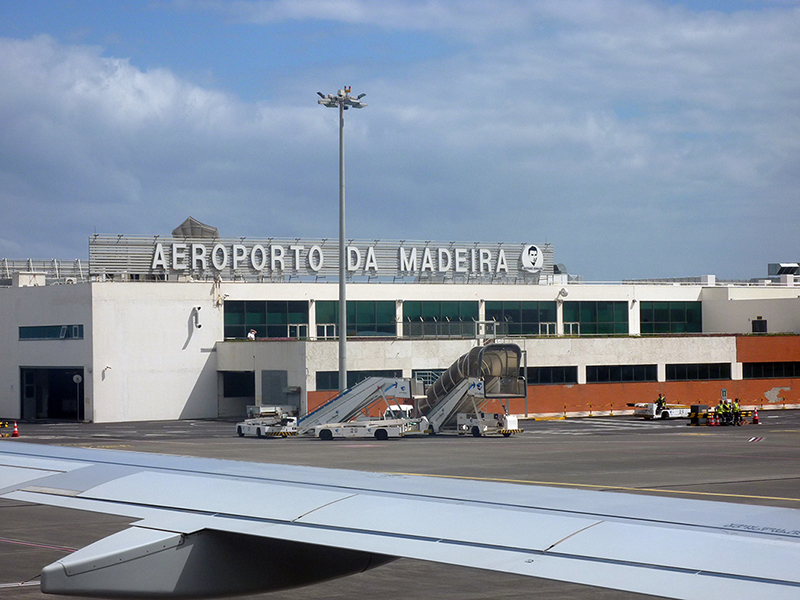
pixel 211 527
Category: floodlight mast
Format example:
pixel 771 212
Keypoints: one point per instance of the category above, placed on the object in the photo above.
pixel 342 100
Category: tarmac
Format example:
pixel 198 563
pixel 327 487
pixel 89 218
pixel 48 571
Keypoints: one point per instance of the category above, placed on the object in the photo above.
pixel 748 464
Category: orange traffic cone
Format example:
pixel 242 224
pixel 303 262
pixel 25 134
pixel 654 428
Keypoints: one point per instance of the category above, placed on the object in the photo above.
pixel 710 419
pixel 15 433
pixel 755 417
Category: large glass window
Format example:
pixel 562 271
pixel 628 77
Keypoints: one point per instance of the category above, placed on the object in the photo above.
pixel 552 375
pixel 596 318
pixel 620 373
pixel 698 372
pixel 671 317
pixel 365 318
pixel 269 318
pixel 771 370
pixel 51 332
pixel 523 317
pixel 434 318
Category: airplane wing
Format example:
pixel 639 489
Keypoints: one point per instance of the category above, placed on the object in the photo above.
pixel 206 527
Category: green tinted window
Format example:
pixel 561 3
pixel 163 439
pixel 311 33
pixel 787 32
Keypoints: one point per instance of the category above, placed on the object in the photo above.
pixel 516 317
pixel 269 318
pixel 671 317
pixel 598 317
pixel 469 311
pixel 434 310
pixel 385 312
pixel 234 312
pixel 255 312
pixel 327 311
pixel 412 310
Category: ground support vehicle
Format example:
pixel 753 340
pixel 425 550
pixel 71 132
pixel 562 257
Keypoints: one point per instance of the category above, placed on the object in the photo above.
pixel 354 401
pixel 651 410
pixel 396 421
pixel 480 424
pixel 380 429
pixel 455 400
pixel 273 422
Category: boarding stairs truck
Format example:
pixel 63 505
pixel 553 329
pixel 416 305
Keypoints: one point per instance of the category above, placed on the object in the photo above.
pixel 454 401
pixel 396 421
pixel 272 421
pixel 349 404
pixel 652 410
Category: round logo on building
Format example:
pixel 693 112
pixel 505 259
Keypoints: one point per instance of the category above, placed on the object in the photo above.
pixel 532 258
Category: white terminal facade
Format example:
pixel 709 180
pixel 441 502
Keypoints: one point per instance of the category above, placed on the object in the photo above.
pixel 156 327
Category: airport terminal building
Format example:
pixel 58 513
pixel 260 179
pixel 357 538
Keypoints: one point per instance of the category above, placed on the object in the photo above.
pixel 156 327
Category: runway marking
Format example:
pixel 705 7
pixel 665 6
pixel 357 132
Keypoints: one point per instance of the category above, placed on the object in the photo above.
pixel 606 487
pixel 20 584
pixel 35 545
pixel 359 445
pixel 94 446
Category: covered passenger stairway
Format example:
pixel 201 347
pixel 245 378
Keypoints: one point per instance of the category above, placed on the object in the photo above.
pixel 349 403
pixel 484 373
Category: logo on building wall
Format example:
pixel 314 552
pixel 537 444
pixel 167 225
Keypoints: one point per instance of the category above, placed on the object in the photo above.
pixel 532 258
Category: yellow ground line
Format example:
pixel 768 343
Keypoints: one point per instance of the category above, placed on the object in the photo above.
pixel 605 487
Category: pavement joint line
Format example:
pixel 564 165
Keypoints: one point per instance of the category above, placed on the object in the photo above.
pixel 605 487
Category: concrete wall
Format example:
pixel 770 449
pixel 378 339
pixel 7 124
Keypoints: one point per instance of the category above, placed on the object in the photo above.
pixel 732 310
pixel 151 361
pixel 628 350
pixel 30 306
pixel 255 357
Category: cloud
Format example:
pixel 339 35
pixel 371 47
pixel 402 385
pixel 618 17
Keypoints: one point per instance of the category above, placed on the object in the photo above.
pixel 470 16
pixel 92 140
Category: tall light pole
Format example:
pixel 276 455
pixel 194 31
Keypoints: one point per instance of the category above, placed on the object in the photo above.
pixel 342 100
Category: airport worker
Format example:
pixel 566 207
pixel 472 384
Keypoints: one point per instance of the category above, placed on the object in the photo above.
pixel 251 335
pixel 661 403
pixel 736 412
pixel 722 411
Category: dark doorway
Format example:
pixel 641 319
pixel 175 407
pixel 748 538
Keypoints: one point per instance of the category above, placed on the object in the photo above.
pixel 52 393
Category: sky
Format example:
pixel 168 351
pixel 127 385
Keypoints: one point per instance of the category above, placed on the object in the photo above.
pixel 641 138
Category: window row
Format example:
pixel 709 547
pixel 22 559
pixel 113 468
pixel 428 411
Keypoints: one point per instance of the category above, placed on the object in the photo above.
pixel 770 370
pixel 628 373
pixel 434 318
pixel 242 384
pixel 329 380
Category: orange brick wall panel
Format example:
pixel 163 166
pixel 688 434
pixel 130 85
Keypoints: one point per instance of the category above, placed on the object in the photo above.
pixel 594 397
pixel 316 399
pixel 772 348
pixel 605 397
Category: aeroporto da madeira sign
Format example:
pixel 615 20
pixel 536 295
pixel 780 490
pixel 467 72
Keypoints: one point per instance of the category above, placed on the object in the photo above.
pixel 272 258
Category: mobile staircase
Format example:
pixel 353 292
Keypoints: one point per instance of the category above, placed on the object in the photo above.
pixel 484 373
pixel 349 403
